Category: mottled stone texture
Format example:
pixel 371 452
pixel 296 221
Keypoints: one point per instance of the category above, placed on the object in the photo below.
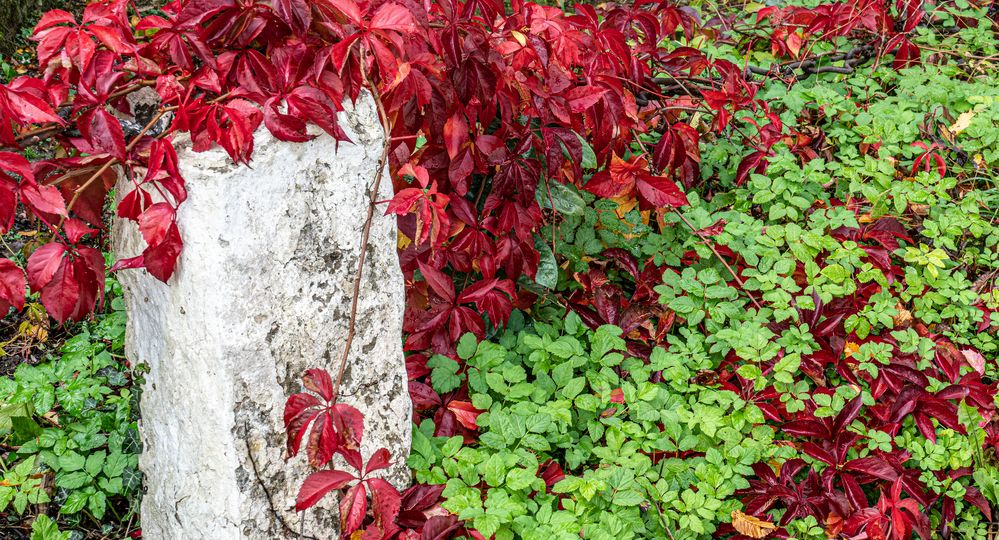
pixel 262 293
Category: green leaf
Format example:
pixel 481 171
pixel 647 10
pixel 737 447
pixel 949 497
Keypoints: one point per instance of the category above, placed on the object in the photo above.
pixel 97 504
pixel 519 479
pixel 547 275
pixel 72 480
pixel 74 503
pixel 486 524
pixel 467 346
pixel 71 461
pixel 561 198
pixel 589 157
pixel 452 446
pixel 45 528
pixel 115 464
pixel 95 462
pixel 573 387
pixel 836 273
pixel 444 373
pixel 627 497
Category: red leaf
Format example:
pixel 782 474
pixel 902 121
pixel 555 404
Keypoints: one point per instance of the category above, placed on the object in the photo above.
pixel 581 98
pixel 129 264
pixel 392 17
pixel 160 259
pixel 299 410
pixel 385 501
pixel 15 163
pixel 353 507
pixel 438 281
pixel 322 442
pixel 62 293
pixel 134 203
pixel 658 192
pixel 320 382
pixel 297 14
pixel 11 286
pixel 455 134
pixel 873 466
pixel 104 132
pixel 907 56
pixel 465 413
pixel 379 460
pixel 319 484
pixel 75 231
pixel 43 263
pixel 349 426
pixel 53 18
pixel 43 199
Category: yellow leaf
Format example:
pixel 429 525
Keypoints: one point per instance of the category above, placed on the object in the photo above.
pixel 750 526
pixel 403 241
pixel 521 38
pixel 850 349
pixel 962 123
pixel 625 204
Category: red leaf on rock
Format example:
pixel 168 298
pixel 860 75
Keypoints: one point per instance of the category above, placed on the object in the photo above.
pixel 353 507
pixel 160 259
pixel 134 203
pixel 320 382
pixel 318 484
pixel 155 222
pixel 379 460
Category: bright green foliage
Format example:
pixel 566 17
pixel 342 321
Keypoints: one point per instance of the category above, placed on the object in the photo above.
pixel 631 465
pixel 44 528
pixel 72 419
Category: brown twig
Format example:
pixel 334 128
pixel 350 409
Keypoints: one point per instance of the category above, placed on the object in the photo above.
pixel 351 325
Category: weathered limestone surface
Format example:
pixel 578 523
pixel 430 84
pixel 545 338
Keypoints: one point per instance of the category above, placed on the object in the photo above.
pixel 262 292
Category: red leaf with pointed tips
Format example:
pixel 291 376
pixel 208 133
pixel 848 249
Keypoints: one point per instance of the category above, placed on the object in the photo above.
pixel 353 507
pixel 318 484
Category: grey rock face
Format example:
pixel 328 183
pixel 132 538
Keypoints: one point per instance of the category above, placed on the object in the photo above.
pixel 262 293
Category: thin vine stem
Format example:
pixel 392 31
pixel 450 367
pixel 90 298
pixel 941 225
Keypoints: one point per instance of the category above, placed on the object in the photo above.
pixel 358 277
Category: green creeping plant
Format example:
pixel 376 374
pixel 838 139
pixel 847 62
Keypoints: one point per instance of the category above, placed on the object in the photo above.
pixel 637 458
pixel 72 419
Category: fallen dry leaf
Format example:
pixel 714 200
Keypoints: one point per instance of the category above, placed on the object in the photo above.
pixel 750 526
pixel 902 319
pixel 962 123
